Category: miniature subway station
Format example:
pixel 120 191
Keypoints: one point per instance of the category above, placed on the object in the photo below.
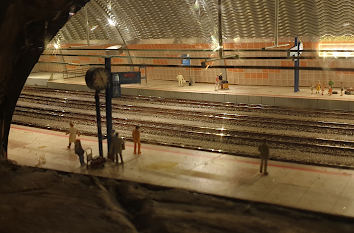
pixel 273 59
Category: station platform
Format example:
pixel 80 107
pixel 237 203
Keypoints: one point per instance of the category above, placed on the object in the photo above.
pixel 321 189
pixel 266 95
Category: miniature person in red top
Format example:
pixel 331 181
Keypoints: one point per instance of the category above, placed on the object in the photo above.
pixel 136 139
pixel 217 83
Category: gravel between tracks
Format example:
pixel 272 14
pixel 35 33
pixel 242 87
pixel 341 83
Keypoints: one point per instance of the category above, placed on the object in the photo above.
pixel 280 152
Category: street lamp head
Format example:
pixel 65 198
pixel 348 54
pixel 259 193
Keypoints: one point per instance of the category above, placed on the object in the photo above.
pixel 97 78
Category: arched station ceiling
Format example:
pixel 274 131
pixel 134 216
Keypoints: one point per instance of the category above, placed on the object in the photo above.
pixel 181 19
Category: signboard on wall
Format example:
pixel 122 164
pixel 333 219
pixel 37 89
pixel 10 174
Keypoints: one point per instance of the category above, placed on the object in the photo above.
pixel 126 77
pixel 119 78
pixel 186 60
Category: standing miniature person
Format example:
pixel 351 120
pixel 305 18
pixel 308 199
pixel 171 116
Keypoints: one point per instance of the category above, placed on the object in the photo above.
pixel 79 151
pixel 323 89
pixel 181 80
pixel 72 134
pixel 117 145
pixel 330 90
pixel 217 83
pixel 318 87
pixel 136 139
pixel 220 81
pixel 264 151
pixel 312 89
pixel 341 89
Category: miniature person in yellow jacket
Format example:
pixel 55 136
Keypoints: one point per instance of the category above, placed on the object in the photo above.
pixel 318 87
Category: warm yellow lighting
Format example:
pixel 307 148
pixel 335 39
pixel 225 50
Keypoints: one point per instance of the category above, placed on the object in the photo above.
pixel 112 22
pixel 93 28
pixel 336 46
pixel 56 46
pixel 237 39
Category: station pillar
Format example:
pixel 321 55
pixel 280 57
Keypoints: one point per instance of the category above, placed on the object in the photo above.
pixel 98 116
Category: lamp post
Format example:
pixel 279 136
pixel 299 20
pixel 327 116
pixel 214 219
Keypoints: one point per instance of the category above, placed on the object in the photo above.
pixel 109 90
pixel 97 79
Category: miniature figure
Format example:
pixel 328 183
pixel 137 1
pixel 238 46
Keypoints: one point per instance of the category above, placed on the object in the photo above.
pixel 181 80
pixel 79 151
pixel 217 83
pixel 330 90
pixel 72 134
pixel 318 87
pixel 220 81
pixel 264 154
pixel 136 139
pixel 117 145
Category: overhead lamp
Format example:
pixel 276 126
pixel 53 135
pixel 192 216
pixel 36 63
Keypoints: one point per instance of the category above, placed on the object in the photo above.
pixel 196 5
pixel 237 39
pixel 335 46
pixel 215 45
pixel 112 22
pixel 93 28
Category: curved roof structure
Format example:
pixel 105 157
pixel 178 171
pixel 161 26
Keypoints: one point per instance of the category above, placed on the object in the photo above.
pixel 122 21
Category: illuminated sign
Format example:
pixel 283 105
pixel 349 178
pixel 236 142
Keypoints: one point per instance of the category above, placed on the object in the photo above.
pixel 119 78
pixel 126 77
pixel 347 49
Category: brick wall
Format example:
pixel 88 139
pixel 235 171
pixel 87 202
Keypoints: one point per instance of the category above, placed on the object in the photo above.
pixel 235 76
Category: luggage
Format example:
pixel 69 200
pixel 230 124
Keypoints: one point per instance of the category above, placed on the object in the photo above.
pixel 97 162
pixel 224 84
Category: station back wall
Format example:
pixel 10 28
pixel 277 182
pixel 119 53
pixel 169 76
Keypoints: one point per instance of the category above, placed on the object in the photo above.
pixel 272 77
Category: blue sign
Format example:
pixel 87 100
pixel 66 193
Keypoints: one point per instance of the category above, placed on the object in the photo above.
pixel 186 60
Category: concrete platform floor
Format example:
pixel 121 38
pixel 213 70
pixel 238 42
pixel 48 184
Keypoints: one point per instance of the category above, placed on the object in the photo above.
pixel 314 188
pixel 266 95
pixel 272 91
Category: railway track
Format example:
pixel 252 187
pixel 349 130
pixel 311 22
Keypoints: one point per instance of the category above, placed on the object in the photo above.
pixel 225 139
pixel 198 104
pixel 241 119
pixel 210 134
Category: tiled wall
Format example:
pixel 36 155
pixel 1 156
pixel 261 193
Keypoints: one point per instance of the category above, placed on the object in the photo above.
pixel 273 77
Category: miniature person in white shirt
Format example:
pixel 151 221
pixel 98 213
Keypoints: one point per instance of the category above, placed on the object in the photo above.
pixel 181 80
pixel 72 134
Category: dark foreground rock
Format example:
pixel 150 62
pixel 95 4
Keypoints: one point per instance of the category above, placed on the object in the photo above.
pixel 38 200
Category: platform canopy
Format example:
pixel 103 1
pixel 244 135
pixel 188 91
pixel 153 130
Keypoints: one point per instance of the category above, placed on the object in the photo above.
pixel 129 21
